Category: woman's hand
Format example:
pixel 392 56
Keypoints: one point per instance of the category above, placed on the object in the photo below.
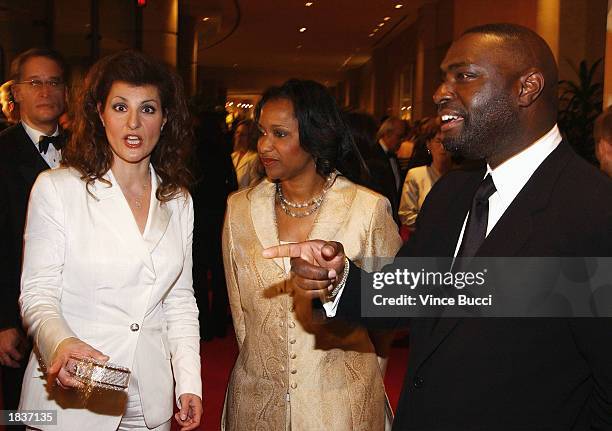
pixel 63 360
pixel 191 412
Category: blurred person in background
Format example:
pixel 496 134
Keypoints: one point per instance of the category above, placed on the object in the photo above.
pixel 215 181
pixel 244 157
pixel 602 132
pixel 404 152
pixel 363 128
pixel 9 108
pixel 311 191
pixel 421 179
pixel 383 163
pixel 29 147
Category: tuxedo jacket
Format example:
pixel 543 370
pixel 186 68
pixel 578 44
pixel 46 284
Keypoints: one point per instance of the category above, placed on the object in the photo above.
pixel 383 178
pixel 89 273
pixel 20 164
pixel 500 373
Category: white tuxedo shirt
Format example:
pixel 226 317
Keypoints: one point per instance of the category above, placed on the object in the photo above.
pixel 89 273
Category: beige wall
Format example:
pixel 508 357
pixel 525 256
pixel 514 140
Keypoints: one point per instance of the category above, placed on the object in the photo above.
pixel 581 35
pixel 160 27
pixel 574 29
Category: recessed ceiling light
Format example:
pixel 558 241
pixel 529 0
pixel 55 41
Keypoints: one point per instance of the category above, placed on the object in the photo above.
pixel 381 24
pixel 375 30
pixel 205 18
pixel 371 35
pixel 308 4
pixel 299 47
pixel 302 30
pixel 387 18
pixel 399 6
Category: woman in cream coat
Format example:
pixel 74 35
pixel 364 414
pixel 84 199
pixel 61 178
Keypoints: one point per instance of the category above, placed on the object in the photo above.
pixel 107 264
pixel 276 383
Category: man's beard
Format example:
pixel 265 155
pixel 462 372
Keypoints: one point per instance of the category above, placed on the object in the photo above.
pixel 485 129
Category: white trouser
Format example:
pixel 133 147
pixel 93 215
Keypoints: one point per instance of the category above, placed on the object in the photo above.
pixel 133 418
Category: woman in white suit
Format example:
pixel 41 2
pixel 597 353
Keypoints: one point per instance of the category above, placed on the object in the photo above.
pixel 107 261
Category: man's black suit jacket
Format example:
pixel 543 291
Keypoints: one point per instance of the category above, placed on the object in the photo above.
pixel 382 177
pixel 20 164
pixel 499 373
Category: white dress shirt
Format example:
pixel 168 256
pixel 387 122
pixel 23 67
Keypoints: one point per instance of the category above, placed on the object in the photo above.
pixel 53 156
pixel 509 178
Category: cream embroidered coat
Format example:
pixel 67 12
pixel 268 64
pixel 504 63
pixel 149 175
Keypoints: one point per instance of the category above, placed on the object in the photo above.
pixel 291 373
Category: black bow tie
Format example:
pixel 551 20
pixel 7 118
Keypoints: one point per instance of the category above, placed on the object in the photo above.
pixel 44 141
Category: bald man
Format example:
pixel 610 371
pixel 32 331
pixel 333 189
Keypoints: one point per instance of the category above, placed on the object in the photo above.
pixel 536 197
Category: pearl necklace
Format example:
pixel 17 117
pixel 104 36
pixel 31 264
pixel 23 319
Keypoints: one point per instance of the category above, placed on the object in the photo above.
pixel 313 205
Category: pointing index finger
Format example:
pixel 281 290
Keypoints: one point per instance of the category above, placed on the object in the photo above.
pixel 282 250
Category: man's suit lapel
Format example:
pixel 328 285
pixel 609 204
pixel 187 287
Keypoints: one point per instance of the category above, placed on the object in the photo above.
pixel 431 332
pixel 505 240
pixel 513 229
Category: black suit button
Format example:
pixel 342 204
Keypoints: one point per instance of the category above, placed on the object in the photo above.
pixel 418 382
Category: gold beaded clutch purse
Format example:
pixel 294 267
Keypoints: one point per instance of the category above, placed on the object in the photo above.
pixel 103 375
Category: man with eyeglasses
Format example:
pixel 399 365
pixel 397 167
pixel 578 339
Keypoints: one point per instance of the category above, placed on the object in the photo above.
pixel 28 148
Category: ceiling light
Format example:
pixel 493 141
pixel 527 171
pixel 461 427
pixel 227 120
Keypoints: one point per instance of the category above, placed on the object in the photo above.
pixel 387 18
pixel 375 30
pixel 381 24
pixel 399 6
pixel 308 4
pixel 302 30
pixel 205 18
pixel 371 35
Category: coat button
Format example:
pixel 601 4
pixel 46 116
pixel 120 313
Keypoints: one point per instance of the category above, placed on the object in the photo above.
pixel 292 341
pixel 293 385
pixel 292 325
pixel 293 356
pixel 134 327
pixel 418 382
pixel 293 371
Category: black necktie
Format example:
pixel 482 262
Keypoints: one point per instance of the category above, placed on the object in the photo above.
pixel 44 141
pixel 476 227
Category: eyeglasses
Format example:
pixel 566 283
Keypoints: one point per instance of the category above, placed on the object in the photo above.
pixel 37 84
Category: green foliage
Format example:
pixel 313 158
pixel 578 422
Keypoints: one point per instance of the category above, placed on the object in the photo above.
pixel 580 104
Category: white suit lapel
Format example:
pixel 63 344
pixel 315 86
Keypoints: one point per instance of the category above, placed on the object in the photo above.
pixel 117 216
pixel 158 219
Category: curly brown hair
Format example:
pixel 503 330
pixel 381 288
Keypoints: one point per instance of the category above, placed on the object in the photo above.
pixel 88 149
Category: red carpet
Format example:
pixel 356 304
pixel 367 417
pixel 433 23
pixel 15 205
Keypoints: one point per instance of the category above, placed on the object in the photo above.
pixel 218 358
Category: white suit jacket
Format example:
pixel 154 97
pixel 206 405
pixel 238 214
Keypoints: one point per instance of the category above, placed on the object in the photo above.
pixel 89 273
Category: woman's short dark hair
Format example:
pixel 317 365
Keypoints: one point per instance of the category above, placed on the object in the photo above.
pixel 88 150
pixel 322 130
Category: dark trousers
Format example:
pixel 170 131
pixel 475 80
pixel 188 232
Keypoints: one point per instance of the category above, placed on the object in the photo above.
pixel 12 379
